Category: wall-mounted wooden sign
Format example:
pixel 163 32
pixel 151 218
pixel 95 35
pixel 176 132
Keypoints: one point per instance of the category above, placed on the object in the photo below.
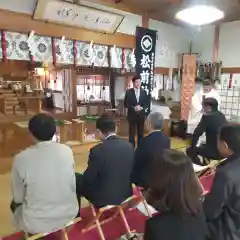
pixel 74 15
pixel 187 83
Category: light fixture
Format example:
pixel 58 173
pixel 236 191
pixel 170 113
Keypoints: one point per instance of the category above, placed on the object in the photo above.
pixel 200 15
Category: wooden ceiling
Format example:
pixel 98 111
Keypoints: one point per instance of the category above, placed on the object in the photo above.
pixel 165 10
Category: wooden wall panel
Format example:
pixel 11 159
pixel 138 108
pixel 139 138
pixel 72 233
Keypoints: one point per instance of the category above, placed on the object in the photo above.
pixel 14 69
pixel 24 23
pixel 231 70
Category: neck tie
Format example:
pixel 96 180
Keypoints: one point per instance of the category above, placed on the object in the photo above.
pixel 137 94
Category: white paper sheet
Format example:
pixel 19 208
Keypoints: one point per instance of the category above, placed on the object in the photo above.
pixel 141 208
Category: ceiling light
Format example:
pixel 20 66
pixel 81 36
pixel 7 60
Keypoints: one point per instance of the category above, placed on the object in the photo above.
pixel 200 15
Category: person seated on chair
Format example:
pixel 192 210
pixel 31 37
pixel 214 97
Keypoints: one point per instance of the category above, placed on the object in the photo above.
pixel 43 181
pixel 155 141
pixel 175 193
pixel 107 179
pixel 210 124
pixel 222 204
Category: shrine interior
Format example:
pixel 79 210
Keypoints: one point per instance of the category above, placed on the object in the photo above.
pixel 77 70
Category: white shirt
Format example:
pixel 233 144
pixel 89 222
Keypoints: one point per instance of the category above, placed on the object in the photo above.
pixel 164 110
pixel 195 113
pixel 137 93
pixel 43 180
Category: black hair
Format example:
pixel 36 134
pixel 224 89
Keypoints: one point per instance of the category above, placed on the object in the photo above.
pixel 135 78
pixel 106 124
pixel 230 134
pixel 42 126
pixel 211 102
pixel 173 184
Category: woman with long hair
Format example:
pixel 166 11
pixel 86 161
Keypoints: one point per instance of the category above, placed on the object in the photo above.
pixel 175 192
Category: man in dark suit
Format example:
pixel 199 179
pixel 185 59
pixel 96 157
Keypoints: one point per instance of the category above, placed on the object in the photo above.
pixel 137 104
pixel 222 204
pixel 107 179
pixel 211 123
pixel 154 143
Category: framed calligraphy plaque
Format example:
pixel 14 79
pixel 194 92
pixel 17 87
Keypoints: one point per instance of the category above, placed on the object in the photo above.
pixel 79 16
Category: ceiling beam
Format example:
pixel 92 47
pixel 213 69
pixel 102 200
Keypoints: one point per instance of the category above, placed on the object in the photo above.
pixel 119 6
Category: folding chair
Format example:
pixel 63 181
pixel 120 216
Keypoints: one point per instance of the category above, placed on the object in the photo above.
pixel 64 231
pixel 207 181
pixel 98 213
pixel 212 162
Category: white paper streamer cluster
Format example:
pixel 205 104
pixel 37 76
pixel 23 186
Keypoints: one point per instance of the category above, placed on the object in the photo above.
pixel 31 44
pixel 91 53
pixel 63 49
pixel 114 57
pixel 133 58
pixel 33 48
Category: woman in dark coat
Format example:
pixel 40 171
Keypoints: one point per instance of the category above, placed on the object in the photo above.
pixel 176 193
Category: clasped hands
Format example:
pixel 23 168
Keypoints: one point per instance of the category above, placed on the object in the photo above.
pixel 138 108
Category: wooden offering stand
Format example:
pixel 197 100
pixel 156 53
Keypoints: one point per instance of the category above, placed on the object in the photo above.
pixel 78 130
pixel 64 130
pixel 77 137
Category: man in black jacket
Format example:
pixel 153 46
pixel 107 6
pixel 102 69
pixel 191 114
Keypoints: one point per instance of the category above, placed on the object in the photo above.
pixel 107 179
pixel 210 124
pixel 137 104
pixel 155 142
pixel 222 204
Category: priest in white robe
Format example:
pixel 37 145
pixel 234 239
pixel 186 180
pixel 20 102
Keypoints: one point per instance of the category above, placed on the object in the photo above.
pixel 205 90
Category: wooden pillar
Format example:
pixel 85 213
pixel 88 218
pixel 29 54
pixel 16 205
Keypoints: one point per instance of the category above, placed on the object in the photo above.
pixel 216 43
pixel 145 20
pixel 112 79
pixel 74 92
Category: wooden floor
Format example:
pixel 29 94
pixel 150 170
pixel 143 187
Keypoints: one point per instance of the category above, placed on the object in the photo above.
pixel 5 180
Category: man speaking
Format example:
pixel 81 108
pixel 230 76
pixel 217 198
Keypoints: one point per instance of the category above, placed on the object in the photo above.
pixel 137 103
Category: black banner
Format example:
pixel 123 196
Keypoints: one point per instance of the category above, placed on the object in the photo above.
pixel 145 58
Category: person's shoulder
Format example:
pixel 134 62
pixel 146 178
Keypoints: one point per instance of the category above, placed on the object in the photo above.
pixel 129 90
pixel 61 148
pixel 24 156
pixel 96 148
pixel 226 171
pixel 123 145
pixel 158 135
pixel 124 142
pixel 157 220
pixel 229 166
pixel 222 115
pixel 143 91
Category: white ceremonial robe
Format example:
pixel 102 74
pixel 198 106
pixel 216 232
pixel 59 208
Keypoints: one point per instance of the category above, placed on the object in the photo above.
pixel 164 110
pixel 195 113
